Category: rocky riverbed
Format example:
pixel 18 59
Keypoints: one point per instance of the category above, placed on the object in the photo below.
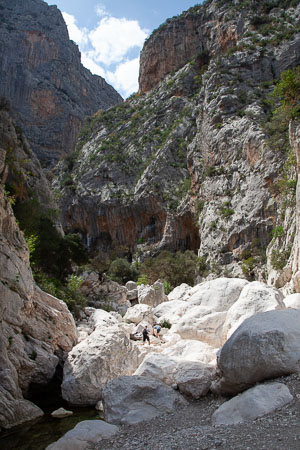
pixel 190 427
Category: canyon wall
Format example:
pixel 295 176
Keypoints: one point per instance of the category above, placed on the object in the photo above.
pixel 41 74
pixel 189 162
pixel 36 329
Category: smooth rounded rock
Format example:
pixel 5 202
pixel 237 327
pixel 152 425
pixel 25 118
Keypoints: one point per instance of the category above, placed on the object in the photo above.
pixel 265 346
pixel 130 400
pixel 84 435
pixel 61 412
pixel 253 403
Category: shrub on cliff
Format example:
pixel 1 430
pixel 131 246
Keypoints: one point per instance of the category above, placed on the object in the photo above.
pixel 288 92
pixel 284 102
pixel 122 271
pixel 50 252
pixel 173 268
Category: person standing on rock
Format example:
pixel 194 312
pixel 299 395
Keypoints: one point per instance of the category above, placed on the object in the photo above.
pixel 156 330
pixel 146 335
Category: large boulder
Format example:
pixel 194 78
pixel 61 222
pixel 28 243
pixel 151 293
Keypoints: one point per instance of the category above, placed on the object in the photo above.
pixel 256 297
pixel 139 313
pixel 171 311
pixel 292 301
pixel 198 324
pixel 253 403
pixel 102 292
pixel 152 295
pixel 84 435
pixel 191 350
pixel 217 295
pixel 265 346
pixel 159 367
pixel 129 400
pixel 181 292
pixel 105 354
pixel 193 378
pixel 132 291
pixel 203 314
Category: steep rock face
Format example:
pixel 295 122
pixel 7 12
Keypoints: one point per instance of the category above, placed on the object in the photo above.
pixel 41 74
pixel 22 172
pixel 36 329
pixel 189 165
pixel 202 32
pixel 118 193
pixel 290 275
pixel 197 32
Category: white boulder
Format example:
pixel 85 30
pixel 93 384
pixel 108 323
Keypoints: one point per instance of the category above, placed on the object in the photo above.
pixel 256 297
pixel 105 354
pixel 129 400
pixel 152 295
pixel 171 311
pixel 198 324
pixel 194 378
pixel 217 295
pixel 265 346
pixel 131 285
pixel 191 350
pixel 159 367
pixel 181 292
pixel 255 402
pixel 139 313
pixel 84 435
pixel 191 377
pixel 292 301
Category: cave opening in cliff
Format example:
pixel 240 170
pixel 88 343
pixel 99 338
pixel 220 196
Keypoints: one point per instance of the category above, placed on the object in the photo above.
pixel 49 394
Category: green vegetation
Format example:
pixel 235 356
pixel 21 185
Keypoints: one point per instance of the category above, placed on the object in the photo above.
pixel 283 105
pixel 167 287
pixel 252 257
pixel 199 205
pixel 68 291
pixel 278 231
pixel 143 279
pixel 51 254
pixel 279 258
pixel 122 271
pixel 173 268
pixel 248 267
pixel 263 6
pixel 165 324
pixel 33 355
pixel 225 210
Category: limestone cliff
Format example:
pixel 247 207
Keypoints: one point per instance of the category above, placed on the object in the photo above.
pixel 36 329
pixel 190 164
pixel 283 252
pixel 41 73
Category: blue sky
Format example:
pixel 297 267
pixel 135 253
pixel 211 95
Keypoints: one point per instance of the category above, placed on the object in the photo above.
pixel 110 34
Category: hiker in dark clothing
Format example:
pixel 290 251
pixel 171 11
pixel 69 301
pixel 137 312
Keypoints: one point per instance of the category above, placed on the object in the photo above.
pixel 146 335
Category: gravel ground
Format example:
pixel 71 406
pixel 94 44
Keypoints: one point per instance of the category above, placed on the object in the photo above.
pixel 190 428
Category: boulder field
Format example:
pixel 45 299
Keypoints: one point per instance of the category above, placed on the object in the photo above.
pixel 258 335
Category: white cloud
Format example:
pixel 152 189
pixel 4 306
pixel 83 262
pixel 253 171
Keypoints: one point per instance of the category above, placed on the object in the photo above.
pixel 91 65
pixel 125 77
pixel 106 49
pixel 101 10
pixel 113 38
pixel 80 36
